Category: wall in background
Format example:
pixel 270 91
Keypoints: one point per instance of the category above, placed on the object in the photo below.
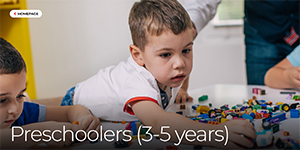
pixel 219 57
pixel 75 38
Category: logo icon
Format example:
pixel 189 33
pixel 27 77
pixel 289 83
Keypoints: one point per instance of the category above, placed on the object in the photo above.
pixel 25 13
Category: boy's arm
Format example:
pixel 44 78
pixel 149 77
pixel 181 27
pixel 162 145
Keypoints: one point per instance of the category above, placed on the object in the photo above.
pixel 182 95
pixel 283 75
pixel 150 114
pixel 72 113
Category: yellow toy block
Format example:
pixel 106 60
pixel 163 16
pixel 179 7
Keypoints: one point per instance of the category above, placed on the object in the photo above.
pixel 223 120
pixel 202 109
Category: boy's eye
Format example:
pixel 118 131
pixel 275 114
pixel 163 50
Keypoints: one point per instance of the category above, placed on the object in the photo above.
pixel 186 50
pixel 165 55
pixel 20 96
pixel 2 100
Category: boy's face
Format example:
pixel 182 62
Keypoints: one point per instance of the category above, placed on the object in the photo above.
pixel 12 90
pixel 169 57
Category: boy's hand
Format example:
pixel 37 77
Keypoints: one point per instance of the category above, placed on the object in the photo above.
pixel 68 137
pixel 89 122
pixel 183 96
pixel 294 77
pixel 239 134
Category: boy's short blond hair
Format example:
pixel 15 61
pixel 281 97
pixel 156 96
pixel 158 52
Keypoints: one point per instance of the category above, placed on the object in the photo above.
pixel 153 17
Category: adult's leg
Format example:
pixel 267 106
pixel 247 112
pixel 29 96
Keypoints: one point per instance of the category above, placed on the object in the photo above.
pixel 261 55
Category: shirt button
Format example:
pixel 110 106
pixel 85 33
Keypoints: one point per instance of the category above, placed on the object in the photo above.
pixel 163 98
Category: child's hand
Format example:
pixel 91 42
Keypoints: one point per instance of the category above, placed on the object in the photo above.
pixel 89 122
pixel 183 96
pixel 294 77
pixel 239 134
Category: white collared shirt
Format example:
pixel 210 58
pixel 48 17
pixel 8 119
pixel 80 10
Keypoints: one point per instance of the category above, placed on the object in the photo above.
pixel 108 93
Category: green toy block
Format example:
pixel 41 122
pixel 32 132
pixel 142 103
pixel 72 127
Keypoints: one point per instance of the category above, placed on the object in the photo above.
pixel 296 97
pixel 256 107
pixel 203 98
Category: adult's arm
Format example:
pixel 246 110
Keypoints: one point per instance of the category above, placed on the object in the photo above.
pixel 201 11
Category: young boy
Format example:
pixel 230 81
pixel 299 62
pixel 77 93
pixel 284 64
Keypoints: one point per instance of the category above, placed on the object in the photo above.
pixel 147 84
pixel 30 116
pixel 286 74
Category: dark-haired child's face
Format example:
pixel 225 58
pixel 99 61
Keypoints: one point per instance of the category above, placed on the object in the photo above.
pixel 169 57
pixel 12 88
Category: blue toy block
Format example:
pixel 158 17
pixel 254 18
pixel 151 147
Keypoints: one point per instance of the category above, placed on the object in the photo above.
pixel 295 144
pixel 194 119
pixel 281 117
pixel 252 115
pixel 244 108
pixel 294 113
pixel 275 113
pixel 261 101
pixel 194 107
pixel 204 116
pixel 133 128
pixel 246 116
pixel 203 120
pixel 264 105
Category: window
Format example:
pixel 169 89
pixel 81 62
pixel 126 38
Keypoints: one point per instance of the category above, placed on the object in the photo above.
pixel 229 13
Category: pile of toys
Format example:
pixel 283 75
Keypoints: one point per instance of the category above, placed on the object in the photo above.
pixel 270 114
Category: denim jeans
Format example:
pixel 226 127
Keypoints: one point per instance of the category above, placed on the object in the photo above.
pixel 261 55
pixel 68 99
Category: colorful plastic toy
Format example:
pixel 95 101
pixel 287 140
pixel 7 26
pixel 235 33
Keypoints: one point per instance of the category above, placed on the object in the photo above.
pixel 265 137
pixel 203 98
pixel 294 113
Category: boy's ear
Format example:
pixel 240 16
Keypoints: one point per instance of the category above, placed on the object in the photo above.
pixel 136 54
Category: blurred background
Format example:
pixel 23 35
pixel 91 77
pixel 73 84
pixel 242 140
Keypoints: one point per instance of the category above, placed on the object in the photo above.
pixel 75 38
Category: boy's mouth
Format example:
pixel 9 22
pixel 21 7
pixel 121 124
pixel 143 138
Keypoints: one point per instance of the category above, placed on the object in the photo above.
pixel 178 77
pixel 9 121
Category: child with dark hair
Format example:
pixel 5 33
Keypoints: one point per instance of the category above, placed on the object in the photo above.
pixel 142 88
pixel 30 116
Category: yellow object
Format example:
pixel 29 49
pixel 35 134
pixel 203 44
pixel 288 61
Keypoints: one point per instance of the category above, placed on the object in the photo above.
pixel 250 101
pixel 202 109
pixel 223 114
pixel 223 120
pixel 16 31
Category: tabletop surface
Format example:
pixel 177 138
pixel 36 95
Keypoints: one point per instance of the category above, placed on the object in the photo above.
pixel 218 95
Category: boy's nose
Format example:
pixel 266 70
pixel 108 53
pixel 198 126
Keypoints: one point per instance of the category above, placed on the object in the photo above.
pixel 13 107
pixel 179 63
